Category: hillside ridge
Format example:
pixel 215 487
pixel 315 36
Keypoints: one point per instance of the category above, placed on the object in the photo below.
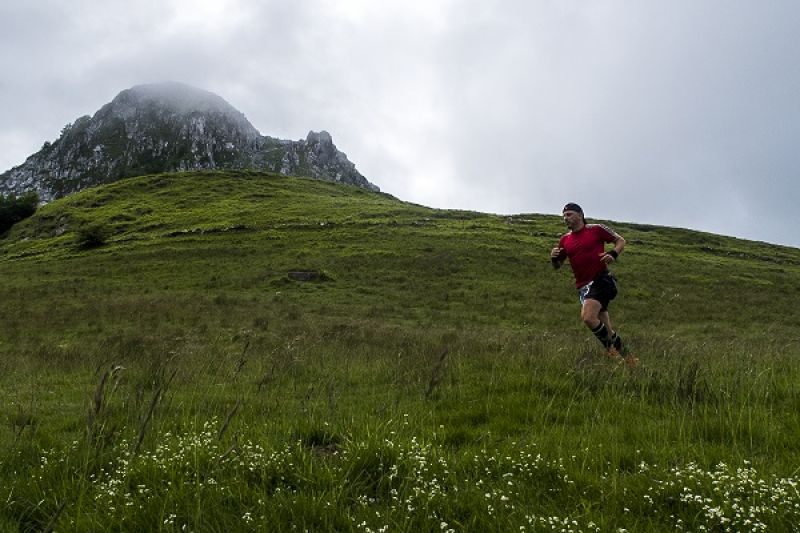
pixel 193 188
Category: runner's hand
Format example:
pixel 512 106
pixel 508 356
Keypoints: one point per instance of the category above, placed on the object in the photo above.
pixel 606 258
pixel 555 257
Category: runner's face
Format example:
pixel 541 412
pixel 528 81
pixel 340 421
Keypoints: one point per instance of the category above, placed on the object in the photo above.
pixel 573 219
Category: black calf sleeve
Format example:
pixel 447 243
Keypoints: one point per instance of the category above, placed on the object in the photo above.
pixel 601 332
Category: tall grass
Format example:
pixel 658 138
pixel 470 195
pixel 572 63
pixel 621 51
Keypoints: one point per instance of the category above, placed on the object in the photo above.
pixel 325 433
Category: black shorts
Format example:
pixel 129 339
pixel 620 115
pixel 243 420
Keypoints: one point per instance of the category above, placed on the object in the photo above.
pixel 602 288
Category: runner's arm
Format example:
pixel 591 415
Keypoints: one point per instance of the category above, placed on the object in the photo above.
pixel 557 256
pixel 611 255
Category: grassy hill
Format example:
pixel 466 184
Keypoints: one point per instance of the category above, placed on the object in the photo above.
pixel 161 368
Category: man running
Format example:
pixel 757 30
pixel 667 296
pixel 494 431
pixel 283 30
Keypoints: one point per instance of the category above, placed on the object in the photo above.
pixel 584 246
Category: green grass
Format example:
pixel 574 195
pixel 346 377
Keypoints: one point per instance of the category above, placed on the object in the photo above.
pixel 173 377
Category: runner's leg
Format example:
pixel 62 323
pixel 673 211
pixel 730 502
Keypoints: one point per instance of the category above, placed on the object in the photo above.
pixel 592 317
pixel 590 313
pixel 605 319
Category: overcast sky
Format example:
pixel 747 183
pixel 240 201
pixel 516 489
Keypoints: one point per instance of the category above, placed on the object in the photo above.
pixel 681 113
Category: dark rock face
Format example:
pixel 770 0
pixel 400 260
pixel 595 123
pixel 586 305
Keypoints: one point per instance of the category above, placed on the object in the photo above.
pixel 164 128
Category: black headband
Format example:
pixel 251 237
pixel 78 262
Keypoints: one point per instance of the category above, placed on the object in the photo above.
pixel 572 207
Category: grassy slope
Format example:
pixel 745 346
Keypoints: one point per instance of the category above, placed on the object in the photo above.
pixel 193 280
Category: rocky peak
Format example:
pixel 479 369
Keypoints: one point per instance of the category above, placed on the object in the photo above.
pixel 176 96
pixel 322 138
pixel 177 102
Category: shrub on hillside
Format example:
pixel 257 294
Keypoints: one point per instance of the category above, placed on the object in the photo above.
pixel 91 236
pixel 13 209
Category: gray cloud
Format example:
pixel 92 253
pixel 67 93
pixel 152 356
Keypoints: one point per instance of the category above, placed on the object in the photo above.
pixel 682 114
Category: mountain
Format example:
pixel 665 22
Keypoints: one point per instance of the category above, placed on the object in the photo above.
pixel 169 127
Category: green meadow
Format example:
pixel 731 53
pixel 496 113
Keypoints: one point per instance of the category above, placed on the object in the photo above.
pixel 240 351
